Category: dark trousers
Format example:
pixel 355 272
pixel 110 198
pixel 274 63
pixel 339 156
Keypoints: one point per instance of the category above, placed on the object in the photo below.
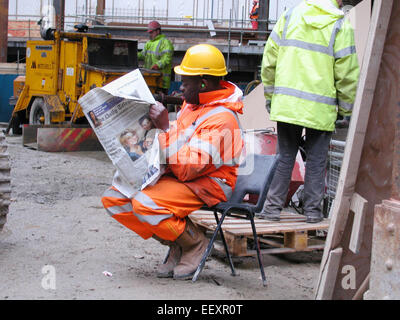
pixel 316 147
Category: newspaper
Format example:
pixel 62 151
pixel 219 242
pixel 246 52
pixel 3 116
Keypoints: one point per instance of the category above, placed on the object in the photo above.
pixel 118 114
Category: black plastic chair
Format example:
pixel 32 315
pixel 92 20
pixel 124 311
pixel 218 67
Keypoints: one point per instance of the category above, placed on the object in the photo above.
pixel 255 176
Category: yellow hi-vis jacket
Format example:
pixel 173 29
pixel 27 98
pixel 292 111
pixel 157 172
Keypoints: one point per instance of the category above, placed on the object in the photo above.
pixel 310 68
pixel 159 51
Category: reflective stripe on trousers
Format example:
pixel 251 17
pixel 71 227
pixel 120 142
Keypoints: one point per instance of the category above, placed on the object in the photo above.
pixel 158 209
pixel 127 207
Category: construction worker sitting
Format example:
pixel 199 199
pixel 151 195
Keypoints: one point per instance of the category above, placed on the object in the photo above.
pixel 202 149
pixel 157 54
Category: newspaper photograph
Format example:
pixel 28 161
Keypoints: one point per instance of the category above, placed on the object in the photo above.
pixel 119 115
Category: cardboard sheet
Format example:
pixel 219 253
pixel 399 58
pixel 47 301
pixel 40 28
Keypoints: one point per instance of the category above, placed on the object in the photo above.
pixel 255 115
pixel 360 17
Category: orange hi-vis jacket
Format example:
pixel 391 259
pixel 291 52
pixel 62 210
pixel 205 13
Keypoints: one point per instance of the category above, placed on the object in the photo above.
pixel 254 11
pixel 202 150
pixel 203 146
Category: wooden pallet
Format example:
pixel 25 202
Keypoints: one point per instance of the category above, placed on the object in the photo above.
pixel 290 234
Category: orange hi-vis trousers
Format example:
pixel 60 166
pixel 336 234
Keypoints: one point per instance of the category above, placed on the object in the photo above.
pixel 160 209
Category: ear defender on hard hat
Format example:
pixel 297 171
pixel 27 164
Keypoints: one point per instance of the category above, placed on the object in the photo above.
pixel 202 59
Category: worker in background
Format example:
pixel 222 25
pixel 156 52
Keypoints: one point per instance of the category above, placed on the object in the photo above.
pixel 202 149
pixel 254 15
pixel 310 74
pixel 157 54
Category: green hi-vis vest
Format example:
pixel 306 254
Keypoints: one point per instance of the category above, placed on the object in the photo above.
pixel 159 51
pixel 310 68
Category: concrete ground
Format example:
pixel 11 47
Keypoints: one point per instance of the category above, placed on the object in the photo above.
pixel 59 243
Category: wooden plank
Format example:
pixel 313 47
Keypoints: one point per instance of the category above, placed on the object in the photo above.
pixel 329 275
pixel 375 180
pixel 289 250
pixel 359 206
pixel 235 221
pixel 358 126
pixel 278 229
pixel 200 214
pixel 293 237
pixel 244 223
pixel 210 215
pixel 284 227
pixel 293 233
pixel 356 135
pixel 243 227
pixel 273 243
pixel 297 240
pixel 250 252
pixel 237 246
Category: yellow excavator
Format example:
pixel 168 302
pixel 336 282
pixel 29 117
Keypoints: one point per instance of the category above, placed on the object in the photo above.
pixel 65 66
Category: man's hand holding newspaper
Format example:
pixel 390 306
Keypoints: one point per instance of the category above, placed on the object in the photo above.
pixel 159 115
pixel 119 115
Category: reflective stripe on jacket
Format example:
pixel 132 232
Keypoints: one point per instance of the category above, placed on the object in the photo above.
pixel 203 146
pixel 254 11
pixel 310 68
pixel 159 51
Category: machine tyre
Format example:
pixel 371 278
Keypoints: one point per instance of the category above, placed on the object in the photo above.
pixel 39 110
pixel 5 183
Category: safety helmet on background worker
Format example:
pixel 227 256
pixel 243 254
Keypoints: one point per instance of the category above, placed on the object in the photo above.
pixel 153 25
pixel 202 59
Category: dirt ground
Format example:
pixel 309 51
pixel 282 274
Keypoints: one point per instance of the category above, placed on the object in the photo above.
pixel 59 243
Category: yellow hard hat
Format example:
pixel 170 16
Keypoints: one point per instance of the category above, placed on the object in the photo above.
pixel 202 59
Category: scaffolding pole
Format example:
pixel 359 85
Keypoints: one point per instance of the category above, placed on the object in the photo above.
pixel 3 30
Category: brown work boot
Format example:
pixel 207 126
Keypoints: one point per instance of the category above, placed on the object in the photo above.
pixel 193 243
pixel 166 270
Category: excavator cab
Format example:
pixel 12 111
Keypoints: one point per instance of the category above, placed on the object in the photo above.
pixel 112 55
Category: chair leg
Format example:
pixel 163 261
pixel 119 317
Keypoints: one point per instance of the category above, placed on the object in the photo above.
pixel 167 256
pixel 208 250
pixel 257 244
pixel 228 255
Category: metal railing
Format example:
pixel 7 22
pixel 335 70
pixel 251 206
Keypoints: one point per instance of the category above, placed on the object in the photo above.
pixel 25 26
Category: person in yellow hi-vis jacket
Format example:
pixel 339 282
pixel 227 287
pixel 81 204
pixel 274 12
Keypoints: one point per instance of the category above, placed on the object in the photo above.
pixel 157 53
pixel 310 74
